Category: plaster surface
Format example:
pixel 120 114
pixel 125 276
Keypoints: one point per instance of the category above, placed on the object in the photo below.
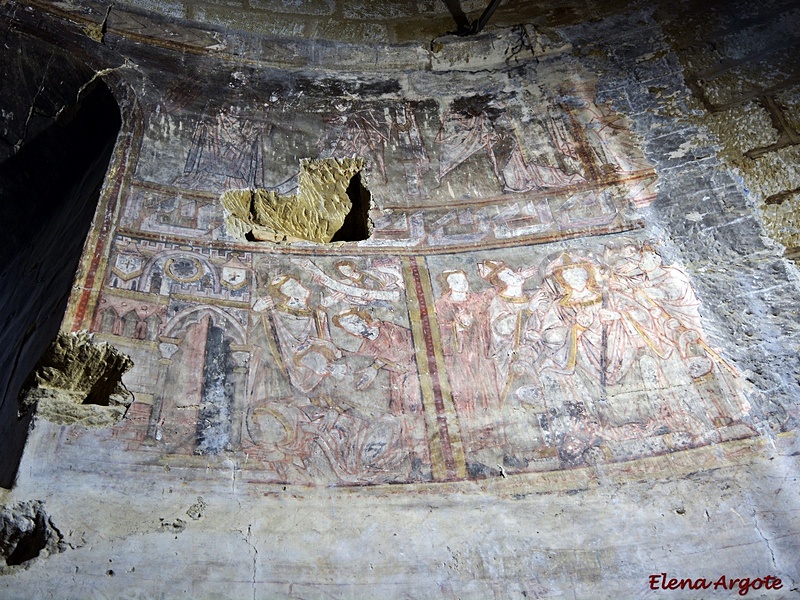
pixel 563 361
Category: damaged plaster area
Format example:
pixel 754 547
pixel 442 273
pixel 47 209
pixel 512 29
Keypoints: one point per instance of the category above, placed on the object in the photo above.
pixel 26 532
pixel 331 205
pixel 78 381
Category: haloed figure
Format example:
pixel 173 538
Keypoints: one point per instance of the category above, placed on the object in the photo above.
pixel 582 344
pixel 303 340
pixel 391 348
pixel 464 331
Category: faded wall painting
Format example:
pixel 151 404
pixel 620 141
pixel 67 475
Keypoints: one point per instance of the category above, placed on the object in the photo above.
pixel 353 370
pixel 540 160
pixel 581 355
pixel 483 329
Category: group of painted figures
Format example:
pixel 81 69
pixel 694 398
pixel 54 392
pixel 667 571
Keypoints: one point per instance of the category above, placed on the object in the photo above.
pixel 567 146
pixel 543 363
pixel 333 421
pixel 606 348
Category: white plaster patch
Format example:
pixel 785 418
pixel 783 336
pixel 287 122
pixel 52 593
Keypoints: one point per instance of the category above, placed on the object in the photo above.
pixel 682 150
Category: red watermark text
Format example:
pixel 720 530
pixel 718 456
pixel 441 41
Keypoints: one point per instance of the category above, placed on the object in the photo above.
pixel 743 585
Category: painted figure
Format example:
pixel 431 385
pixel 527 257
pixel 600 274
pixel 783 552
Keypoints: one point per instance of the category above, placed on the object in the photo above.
pixel 300 442
pixel 302 341
pixel 521 174
pixel 475 125
pixel 391 348
pixel 355 131
pixel 464 133
pixel 462 317
pixel 226 152
pixel 406 139
pixel 578 333
pixel 665 320
pixel 508 314
pixel 580 351
pixel 609 142
pixel 539 160
pixel 466 344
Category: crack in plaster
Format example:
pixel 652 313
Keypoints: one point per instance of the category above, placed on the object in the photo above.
pixel 763 537
pixel 21 140
pixel 246 537
pixel 100 73
pixel 97 31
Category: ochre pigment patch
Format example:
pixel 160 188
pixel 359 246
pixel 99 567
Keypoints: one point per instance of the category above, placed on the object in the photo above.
pixel 316 213
pixel 78 381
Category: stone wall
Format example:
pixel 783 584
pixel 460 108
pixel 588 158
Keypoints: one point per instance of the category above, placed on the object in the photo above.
pixel 563 359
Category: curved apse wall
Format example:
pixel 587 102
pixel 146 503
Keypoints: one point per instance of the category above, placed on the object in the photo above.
pixel 561 302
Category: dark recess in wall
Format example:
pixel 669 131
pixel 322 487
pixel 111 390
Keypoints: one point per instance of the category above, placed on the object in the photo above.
pixel 49 191
pixel 356 226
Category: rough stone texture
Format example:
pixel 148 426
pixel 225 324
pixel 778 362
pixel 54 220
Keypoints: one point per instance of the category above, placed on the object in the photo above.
pixel 564 361
pixel 743 71
pixel 26 533
pixel 78 382
pixel 316 213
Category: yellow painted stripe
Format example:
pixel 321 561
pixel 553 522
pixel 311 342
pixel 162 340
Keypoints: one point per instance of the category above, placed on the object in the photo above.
pixel 438 466
pixel 453 429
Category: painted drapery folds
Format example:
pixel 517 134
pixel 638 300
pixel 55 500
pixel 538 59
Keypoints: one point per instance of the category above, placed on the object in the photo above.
pixel 484 328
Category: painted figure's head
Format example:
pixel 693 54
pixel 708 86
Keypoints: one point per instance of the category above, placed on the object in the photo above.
pixel 347 268
pixel 576 278
pixel 289 289
pixel 500 274
pixel 573 273
pixel 456 281
pixel 650 259
pixel 509 277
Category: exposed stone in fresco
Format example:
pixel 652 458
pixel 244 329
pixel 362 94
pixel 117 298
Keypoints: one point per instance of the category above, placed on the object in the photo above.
pixel 26 532
pixel 78 381
pixel 532 162
pixel 330 201
pixel 748 97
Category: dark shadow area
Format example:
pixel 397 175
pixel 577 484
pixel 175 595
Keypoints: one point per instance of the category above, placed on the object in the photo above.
pixel 30 543
pixel 356 226
pixel 463 26
pixel 25 532
pixel 49 191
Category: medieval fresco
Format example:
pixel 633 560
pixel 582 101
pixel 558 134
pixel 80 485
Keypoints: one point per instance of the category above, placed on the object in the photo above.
pixel 597 353
pixel 353 370
pixel 539 161
pixel 483 329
